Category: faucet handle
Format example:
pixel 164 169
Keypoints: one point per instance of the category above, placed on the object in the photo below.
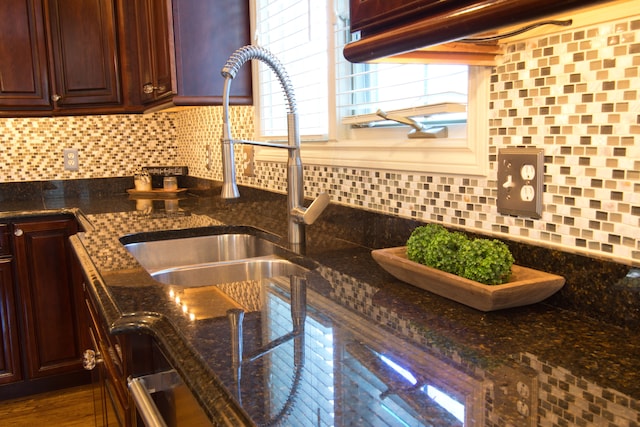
pixel 309 215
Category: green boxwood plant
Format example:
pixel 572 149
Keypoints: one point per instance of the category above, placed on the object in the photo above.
pixel 482 260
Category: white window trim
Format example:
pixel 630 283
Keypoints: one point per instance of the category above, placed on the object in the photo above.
pixel 465 156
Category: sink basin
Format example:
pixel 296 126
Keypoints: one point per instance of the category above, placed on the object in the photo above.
pixel 210 259
pixel 227 272
pixel 158 255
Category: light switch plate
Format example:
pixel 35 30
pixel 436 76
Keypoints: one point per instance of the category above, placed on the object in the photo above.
pixel 520 181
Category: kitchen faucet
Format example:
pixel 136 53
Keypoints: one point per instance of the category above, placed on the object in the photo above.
pixel 298 215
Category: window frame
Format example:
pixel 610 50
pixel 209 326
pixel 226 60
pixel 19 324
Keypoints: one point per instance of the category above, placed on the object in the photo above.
pixel 465 152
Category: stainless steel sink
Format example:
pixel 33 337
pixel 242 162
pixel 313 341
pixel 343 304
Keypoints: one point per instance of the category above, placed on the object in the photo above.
pixel 173 253
pixel 210 259
pixel 228 272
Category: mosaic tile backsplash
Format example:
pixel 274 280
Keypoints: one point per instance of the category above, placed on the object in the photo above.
pixel 574 93
pixel 108 146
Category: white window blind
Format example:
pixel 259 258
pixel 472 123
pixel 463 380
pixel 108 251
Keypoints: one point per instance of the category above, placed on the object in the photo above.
pixel 295 31
pixel 390 87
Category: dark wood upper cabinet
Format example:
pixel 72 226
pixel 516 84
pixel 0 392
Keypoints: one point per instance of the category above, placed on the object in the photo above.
pixel 84 53
pixel 393 28
pixel 206 34
pixel 371 16
pixel 59 57
pixel 24 82
pixel 74 57
pixel 181 47
pixel 155 50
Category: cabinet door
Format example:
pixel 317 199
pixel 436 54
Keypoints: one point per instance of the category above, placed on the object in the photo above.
pixel 50 297
pixel 23 78
pixel 154 30
pixel 206 34
pixel 113 408
pixel 84 52
pixel 9 353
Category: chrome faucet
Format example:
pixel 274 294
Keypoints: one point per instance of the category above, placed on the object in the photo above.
pixel 298 215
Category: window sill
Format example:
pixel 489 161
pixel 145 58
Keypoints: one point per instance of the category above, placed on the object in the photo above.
pixel 444 156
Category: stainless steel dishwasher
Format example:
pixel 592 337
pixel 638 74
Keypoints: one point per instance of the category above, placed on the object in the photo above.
pixel 163 400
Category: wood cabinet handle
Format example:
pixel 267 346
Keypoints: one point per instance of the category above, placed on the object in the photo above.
pixel 18 232
pixel 55 97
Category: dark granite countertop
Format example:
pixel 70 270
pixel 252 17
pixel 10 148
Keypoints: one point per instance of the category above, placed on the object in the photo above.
pixel 374 351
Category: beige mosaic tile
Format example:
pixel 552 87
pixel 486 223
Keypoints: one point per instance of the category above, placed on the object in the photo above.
pixel 108 146
pixel 199 132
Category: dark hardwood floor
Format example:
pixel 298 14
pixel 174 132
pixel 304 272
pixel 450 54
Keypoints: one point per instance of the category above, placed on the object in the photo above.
pixel 71 407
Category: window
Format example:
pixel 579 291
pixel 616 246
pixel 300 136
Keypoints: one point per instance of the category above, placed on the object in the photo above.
pixel 308 36
pixel 296 33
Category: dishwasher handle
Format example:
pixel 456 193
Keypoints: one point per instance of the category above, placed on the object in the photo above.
pixel 144 403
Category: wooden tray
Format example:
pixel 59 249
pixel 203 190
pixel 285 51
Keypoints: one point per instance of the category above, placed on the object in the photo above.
pixel 156 194
pixel 527 286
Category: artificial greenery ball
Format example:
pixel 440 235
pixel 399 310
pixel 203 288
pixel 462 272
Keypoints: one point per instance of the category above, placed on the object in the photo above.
pixel 482 260
pixel 420 239
pixel 442 252
pixel 486 261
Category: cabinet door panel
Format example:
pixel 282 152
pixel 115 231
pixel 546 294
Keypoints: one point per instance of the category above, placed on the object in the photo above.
pixel 155 49
pixel 206 35
pixel 50 296
pixel 162 35
pixel 84 52
pixel 23 79
pixel 116 409
pixel 9 353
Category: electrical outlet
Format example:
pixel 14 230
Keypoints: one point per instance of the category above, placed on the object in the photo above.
pixel 71 159
pixel 520 181
pixel 515 394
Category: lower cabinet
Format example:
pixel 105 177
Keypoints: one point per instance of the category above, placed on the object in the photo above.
pixel 43 322
pixel 9 354
pixel 108 359
pixel 115 361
